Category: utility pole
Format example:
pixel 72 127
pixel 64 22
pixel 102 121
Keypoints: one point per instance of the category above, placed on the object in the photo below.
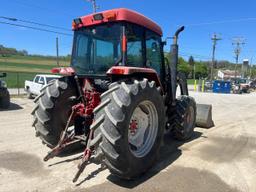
pixel 214 38
pixel 238 41
pixel 94 5
pixel 57 51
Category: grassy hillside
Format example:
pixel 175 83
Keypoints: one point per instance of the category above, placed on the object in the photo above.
pixel 21 68
pixel 29 64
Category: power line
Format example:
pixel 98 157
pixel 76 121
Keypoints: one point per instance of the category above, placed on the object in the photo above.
pixel 35 28
pixel 222 22
pixel 194 55
pixel 34 23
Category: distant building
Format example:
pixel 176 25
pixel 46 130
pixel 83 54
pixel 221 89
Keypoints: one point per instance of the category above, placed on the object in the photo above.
pixel 245 67
pixel 228 74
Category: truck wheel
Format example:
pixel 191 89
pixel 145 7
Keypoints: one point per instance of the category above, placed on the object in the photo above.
pixel 5 99
pixel 53 107
pixel 184 118
pixel 29 95
pixel 129 125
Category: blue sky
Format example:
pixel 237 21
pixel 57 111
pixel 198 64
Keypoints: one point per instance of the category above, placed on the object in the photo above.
pixel 167 13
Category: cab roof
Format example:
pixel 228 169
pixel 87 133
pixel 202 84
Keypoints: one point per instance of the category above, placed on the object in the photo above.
pixel 120 14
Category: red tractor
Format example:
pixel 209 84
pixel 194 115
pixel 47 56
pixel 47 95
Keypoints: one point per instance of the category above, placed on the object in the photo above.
pixel 118 97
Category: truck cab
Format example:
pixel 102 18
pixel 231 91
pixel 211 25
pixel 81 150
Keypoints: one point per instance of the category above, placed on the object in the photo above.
pixel 34 87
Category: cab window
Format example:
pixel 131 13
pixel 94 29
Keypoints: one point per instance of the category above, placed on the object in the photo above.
pixel 134 46
pixel 153 51
pixel 41 81
pixel 37 79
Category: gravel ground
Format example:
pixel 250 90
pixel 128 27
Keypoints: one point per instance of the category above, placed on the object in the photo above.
pixel 217 159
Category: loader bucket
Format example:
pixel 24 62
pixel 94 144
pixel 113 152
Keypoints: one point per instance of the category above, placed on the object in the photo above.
pixel 204 116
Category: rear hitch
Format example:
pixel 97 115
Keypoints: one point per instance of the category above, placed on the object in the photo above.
pixel 88 101
pixel 86 158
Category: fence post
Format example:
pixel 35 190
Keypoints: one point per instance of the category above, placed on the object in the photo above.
pixel 18 79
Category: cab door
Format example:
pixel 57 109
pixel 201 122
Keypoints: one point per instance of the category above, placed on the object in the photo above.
pixel 153 51
pixel 39 85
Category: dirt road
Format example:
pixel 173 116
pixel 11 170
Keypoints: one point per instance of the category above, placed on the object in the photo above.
pixel 219 159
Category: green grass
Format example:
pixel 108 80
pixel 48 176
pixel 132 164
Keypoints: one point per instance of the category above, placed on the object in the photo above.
pixel 190 81
pixel 23 65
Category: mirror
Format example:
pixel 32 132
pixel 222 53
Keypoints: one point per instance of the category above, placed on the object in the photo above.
pixel 40 82
pixel 3 75
pixel 154 47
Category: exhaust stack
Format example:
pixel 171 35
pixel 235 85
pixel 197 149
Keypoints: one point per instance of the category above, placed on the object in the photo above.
pixel 174 53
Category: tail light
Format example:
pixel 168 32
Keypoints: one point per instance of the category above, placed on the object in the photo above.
pixel 110 16
pixel 63 70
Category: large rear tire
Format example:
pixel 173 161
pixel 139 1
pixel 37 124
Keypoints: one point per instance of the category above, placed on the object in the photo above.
pixel 129 125
pixel 5 99
pixel 53 107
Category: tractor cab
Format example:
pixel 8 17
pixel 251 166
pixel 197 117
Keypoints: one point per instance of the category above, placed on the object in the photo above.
pixel 118 37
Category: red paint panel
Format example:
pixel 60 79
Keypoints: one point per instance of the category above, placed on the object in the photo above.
pixel 121 15
pixel 124 43
pixel 123 70
pixel 63 70
pixel 148 73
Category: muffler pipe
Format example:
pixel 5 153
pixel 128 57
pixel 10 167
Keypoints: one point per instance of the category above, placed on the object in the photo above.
pixel 174 53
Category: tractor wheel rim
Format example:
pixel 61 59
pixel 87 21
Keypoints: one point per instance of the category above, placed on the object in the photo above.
pixel 143 128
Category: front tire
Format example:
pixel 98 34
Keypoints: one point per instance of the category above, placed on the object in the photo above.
pixel 29 95
pixel 184 118
pixel 127 110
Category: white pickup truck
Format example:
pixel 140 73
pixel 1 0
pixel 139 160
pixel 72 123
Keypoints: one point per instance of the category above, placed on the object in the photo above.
pixel 34 87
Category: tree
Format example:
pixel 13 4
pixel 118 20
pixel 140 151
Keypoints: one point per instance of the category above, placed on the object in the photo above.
pixel 201 70
pixel 253 72
pixel 184 67
pixel 191 63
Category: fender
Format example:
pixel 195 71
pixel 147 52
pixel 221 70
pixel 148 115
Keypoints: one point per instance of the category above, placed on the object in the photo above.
pixel 67 71
pixel 124 71
pixel 182 82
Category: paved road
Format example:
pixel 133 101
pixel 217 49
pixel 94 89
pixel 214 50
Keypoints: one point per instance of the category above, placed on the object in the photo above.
pixel 217 159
